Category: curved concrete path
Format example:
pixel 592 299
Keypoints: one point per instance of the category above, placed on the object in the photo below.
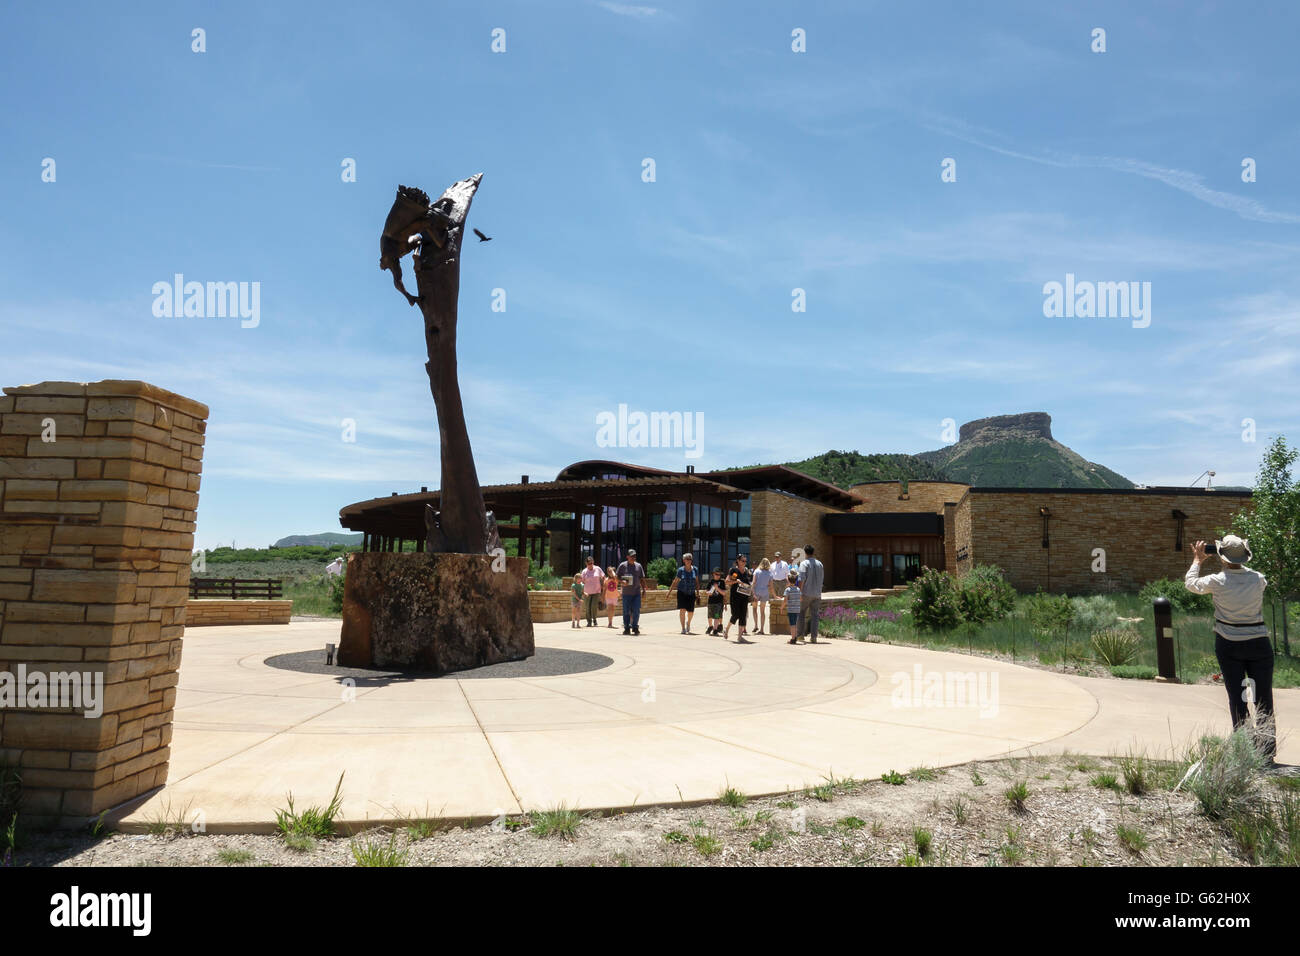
pixel 674 718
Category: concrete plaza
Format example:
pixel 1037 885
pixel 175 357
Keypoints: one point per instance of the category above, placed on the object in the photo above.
pixel 674 718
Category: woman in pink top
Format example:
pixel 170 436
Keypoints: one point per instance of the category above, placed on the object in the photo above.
pixel 611 595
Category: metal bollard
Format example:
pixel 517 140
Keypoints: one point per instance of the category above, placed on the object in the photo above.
pixel 1164 618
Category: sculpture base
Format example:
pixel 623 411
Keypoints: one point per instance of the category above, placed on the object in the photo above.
pixel 434 613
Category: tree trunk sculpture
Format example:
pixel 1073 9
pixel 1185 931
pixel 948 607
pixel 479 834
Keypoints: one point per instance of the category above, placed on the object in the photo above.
pixel 433 231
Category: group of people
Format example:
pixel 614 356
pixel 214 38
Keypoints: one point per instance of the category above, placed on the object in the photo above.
pixel 1241 638
pixel 741 587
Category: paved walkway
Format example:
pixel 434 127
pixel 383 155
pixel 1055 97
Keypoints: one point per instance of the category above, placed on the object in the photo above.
pixel 674 718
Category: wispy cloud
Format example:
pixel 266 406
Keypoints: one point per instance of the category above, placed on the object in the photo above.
pixel 630 9
pixel 1191 183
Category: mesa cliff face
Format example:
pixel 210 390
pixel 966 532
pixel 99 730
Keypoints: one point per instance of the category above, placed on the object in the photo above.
pixel 1018 451
pixel 1028 425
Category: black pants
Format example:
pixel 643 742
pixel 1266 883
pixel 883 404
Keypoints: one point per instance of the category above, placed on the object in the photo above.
pixel 1251 659
pixel 739 609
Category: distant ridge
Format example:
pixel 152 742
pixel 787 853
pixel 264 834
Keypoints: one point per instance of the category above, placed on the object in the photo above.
pixel 1007 451
pixel 324 540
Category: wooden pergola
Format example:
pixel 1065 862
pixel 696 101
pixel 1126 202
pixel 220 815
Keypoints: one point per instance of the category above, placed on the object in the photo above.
pixel 388 523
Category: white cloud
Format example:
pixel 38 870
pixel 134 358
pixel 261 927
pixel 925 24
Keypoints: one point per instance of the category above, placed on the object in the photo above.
pixel 630 9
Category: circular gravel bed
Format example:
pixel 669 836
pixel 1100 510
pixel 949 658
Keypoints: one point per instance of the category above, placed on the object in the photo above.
pixel 547 662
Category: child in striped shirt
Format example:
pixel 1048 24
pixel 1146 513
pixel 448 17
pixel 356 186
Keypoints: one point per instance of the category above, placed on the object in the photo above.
pixel 792 596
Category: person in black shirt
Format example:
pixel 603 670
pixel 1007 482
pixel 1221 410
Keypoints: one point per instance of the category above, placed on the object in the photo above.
pixel 741 580
pixel 717 599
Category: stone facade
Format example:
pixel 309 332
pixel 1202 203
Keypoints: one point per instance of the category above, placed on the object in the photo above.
pixel 957 535
pixel 209 612
pixel 549 606
pixel 98 489
pixel 1136 529
pixel 783 522
pixel 923 496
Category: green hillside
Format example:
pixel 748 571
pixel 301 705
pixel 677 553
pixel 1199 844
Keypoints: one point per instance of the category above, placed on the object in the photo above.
pixel 1008 451
pixel 1021 463
pixel 846 468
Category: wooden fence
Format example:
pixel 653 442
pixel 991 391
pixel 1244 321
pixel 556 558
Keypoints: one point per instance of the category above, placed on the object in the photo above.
pixel 235 588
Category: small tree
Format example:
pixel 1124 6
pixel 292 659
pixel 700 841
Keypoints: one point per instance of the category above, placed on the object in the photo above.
pixel 1273 527
pixel 663 570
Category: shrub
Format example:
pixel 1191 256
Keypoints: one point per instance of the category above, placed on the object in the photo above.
pixel 662 570
pixel 1093 613
pixel 1223 774
pixel 1181 598
pixel 1048 612
pixel 984 595
pixel 1134 671
pixel 337 583
pixel 935 601
pixel 1116 647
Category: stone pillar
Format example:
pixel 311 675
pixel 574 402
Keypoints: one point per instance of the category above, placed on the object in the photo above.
pixel 98 490
pixel 950 538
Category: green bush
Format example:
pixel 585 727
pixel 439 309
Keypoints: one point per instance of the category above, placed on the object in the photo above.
pixel 984 595
pixel 1048 612
pixel 936 602
pixel 1134 671
pixel 1181 598
pixel 336 591
pixel 544 577
pixel 1092 614
pixel 662 570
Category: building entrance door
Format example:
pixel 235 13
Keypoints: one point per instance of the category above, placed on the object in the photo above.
pixel 870 571
pixel 906 568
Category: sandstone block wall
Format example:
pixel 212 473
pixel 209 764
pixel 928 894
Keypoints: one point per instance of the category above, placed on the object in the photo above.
pixel 549 606
pixel 205 612
pixel 923 496
pixel 1136 530
pixel 99 484
pixel 957 544
pixel 780 522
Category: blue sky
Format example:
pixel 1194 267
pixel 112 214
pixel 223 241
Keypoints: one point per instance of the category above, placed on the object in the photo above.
pixel 775 170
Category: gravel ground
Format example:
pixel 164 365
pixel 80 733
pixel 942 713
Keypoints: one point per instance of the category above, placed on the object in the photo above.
pixel 1066 821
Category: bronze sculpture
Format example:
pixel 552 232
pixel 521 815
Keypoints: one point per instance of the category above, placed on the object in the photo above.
pixel 462 603
pixel 433 232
